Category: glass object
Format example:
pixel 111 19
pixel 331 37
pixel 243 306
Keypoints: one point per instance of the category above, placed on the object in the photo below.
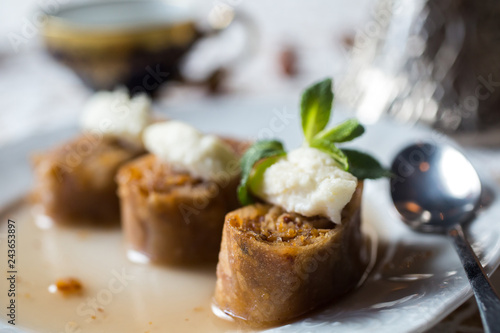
pixel 430 61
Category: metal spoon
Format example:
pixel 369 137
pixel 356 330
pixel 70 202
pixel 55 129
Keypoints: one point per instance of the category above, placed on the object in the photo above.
pixel 436 189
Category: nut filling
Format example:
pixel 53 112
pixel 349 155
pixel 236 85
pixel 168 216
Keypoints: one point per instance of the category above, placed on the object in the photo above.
pixel 279 226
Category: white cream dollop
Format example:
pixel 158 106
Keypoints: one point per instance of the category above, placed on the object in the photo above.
pixel 309 182
pixel 203 156
pixel 115 114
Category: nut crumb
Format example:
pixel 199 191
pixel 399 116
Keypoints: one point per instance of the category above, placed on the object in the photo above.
pixel 100 309
pixel 93 317
pixel 288 60
pixel 347 40
pixel 67 286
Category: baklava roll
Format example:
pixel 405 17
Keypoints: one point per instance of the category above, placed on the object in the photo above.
pixel 75 185
pixel 172 214
pixel 275 265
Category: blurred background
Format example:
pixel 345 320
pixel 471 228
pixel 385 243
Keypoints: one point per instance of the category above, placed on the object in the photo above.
pixel 432 62
pixel 428 61
pixel 277 49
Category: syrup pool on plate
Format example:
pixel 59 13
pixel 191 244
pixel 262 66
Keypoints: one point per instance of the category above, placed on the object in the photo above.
pixel 117 295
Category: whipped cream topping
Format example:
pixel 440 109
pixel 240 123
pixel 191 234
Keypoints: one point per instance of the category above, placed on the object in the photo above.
pixel 115 114
pixel 203 156
pixel 309 182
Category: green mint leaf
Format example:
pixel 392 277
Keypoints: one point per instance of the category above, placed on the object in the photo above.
pixel 364 166
pixel 315 108
pixel 332 150
pixel 256 178
pixel 258 151
pixel 346 131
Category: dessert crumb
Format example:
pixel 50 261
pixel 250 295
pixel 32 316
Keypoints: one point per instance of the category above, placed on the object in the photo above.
pixel 100 309
pixel 347 40
pixel 93 317
pixel 198 309
pixel 67 287
pixel 187 319
pixel 150 323
pixel 288 60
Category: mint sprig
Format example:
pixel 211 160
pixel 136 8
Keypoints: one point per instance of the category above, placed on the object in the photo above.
pixel 258 151
pixel 364 166
pixel 316 114
pixel 315 111
pixel 315 108
pixel 346 131
pixel 332 150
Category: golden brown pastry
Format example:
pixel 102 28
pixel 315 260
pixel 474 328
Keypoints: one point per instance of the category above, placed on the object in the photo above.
pixel 274 265
pixel 75 182
pixel 171 217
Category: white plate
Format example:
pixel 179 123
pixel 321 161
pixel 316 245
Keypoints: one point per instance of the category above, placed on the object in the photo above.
pixel 417 281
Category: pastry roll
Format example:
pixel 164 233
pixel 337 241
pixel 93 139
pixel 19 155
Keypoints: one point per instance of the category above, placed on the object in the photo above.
pixel 275 265
pixel 75 183
pixel 172 208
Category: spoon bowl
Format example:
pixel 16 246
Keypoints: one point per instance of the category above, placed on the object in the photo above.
pixel 436 189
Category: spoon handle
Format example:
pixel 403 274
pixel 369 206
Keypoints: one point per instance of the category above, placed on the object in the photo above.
pixel 486 297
